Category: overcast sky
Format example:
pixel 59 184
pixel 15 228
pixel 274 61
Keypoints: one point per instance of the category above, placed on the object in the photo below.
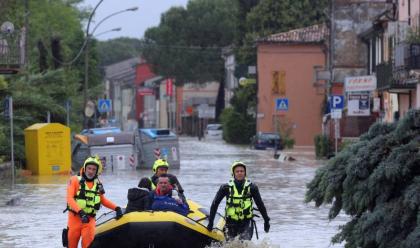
pixel 132 24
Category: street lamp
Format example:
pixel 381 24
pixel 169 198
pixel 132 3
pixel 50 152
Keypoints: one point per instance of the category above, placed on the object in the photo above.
pixel 108 31
pixel 88 37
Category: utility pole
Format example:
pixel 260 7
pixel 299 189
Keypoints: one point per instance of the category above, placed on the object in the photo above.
pixel 88 37
pixel 26 35
pixel 12 153
pixel 85 91
pixel 331 69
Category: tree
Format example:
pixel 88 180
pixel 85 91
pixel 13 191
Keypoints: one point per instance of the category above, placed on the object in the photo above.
pixel 375 181
pixel 238 122
pixel 32 100
pixel 274 16
pixel 115 50
pixel 56 25
pixel 187 43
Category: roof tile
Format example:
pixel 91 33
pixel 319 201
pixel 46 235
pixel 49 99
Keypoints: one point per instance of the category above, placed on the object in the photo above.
pixel 312 34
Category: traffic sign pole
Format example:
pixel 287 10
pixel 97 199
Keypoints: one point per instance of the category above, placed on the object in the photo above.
pixel 336 134
pixel 68 112
pixel 12 154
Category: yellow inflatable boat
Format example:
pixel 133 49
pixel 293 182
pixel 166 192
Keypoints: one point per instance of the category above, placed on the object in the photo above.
pixel 159 229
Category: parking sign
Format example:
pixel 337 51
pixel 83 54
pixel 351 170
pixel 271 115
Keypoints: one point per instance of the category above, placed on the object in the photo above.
pixel 337 102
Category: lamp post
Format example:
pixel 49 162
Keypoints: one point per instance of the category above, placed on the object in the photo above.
pixel 111 30
pixel 88 37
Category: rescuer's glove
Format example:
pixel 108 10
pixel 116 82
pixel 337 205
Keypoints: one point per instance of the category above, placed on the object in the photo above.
pixel 266 226
pixel 118 213
pixel 210 226
pixel 84 216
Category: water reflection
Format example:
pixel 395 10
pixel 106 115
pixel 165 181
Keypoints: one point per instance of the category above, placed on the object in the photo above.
pixel 37 219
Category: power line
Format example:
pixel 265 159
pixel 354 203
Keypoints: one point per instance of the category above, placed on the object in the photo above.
pixel 185 47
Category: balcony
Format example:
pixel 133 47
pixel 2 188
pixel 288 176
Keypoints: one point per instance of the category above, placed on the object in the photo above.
pixel 11 52
pixel 384 76
pixel 407 60
pixel 412 59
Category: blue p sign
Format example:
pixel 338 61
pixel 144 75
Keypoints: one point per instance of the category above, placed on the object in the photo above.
pixel 337 102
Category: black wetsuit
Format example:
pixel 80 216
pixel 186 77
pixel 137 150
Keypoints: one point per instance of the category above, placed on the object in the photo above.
pixel 139 199
pixel 243 228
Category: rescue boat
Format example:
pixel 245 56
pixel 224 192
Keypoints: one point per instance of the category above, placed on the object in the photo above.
pixel 159 229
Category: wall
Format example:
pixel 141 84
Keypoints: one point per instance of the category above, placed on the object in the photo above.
pixel 352 18
pixel 417 99
pixel 297 61
pixel 143 72
pixel 403 14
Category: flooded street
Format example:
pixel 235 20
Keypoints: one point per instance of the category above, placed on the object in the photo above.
pixel 36 220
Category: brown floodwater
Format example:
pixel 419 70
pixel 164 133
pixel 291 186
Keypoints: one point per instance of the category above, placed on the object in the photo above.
pixel 33 216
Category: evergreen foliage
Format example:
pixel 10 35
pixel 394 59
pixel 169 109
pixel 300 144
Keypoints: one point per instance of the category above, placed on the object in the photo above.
pixel 323 147
pixel 187 43
pixel 265 17
pixel 376 182
pixel 32 100
pixel 238 123
pixel 116 50
pixel 55 37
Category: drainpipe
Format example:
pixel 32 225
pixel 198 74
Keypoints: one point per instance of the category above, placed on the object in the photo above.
pixel 331 48
pixel 409 12
pixel 331 69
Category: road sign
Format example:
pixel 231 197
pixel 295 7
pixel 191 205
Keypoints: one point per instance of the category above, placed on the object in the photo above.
pixel 336 113
pixel 89 109
pixel 104 105
pixel 282 104
pixel 337 102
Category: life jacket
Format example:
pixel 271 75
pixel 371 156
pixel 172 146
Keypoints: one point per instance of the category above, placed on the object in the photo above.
pixel 89 200
pixel 239 204
pixel 153 185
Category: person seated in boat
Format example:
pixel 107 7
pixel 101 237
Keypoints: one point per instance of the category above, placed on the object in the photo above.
pixel 139 198
pixel 166 198
pixel 161 166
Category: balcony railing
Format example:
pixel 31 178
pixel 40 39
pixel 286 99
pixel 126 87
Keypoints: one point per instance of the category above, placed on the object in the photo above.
pixel 384 76
pixel 412 59
pixel 11 51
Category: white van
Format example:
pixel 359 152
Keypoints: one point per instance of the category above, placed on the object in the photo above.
pixel 214 131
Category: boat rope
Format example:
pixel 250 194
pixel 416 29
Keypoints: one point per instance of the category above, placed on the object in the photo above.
pixel 104 214
pixel 254 223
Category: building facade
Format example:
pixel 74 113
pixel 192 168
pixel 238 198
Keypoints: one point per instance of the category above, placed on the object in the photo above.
pixel 121 89
pixel 288 100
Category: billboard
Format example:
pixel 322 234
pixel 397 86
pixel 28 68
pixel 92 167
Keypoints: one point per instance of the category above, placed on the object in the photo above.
pixel 358 104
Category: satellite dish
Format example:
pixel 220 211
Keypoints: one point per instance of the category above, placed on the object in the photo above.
pixel 7 27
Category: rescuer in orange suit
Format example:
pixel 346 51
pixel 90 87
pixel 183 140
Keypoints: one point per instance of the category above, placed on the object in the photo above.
pixel 85 195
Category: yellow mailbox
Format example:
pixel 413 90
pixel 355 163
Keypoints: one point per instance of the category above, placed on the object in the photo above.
pixel 47 148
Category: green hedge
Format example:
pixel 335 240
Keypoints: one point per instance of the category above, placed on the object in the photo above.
pixel 238 128
pixel 323 146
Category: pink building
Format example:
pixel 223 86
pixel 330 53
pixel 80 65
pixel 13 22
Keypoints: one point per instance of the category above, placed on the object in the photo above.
pixel 288 99
pixel 409 12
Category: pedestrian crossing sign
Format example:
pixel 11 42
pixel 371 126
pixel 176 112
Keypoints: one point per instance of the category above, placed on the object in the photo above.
pixel 104 105
pixel 282 104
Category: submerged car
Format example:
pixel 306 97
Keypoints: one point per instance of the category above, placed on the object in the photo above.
pixel 264 140
pixel 214 131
